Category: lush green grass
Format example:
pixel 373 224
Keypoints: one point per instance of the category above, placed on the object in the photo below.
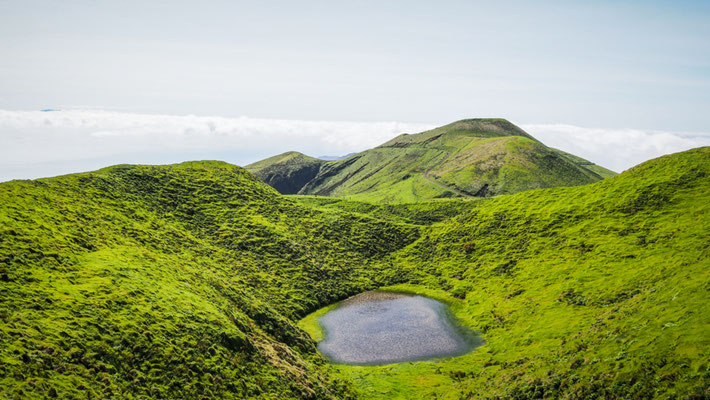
pixel 422 213
pixel 173 282
pixel 187 281
pixel 596 291
pixel 477 157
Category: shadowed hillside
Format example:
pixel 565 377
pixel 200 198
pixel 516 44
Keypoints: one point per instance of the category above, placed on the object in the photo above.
pixel 287 172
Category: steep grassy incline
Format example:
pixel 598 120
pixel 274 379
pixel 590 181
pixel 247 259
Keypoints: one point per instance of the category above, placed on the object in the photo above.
pixel 596 291
pixel 477 157
pixel 287 172
pixel 173 282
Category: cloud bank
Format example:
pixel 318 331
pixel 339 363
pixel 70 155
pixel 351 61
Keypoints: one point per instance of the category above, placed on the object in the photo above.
pixel 47 143
pixel 616 149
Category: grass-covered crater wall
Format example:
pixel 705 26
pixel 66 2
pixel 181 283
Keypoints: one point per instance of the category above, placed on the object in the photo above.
pixel 186 281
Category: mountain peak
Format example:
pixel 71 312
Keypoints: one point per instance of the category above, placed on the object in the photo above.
pixel 482 127
pixel 501 126
pixel 476 157
pixel 443 136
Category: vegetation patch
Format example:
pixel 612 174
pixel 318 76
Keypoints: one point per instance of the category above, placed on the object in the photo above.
pixel 187 281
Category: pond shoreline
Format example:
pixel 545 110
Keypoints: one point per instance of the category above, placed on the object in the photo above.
pixel 391 326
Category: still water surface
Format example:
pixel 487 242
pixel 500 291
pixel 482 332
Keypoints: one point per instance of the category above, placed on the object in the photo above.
pixel 381 327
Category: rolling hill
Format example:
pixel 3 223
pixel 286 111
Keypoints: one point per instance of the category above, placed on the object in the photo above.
pixel 178 281
pixel 587 292
pixel 287 172
pixel 189 281
pixel 468 158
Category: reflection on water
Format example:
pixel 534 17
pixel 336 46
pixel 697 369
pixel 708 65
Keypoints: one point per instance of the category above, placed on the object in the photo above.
pixel 383 327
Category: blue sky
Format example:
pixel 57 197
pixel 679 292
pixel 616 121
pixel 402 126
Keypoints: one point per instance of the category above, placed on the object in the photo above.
pixel 618 65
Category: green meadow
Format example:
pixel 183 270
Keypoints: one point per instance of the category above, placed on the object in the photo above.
pixel 197 280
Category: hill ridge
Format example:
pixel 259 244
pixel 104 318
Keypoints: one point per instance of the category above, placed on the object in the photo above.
pixel 487 156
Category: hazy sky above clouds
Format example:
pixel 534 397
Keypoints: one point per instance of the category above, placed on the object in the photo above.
pixel 321 76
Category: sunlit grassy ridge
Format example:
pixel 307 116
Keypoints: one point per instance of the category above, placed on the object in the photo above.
pixel 172 282
pixel 474 157
pixel 186 281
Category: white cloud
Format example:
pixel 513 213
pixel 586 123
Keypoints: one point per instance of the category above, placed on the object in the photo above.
pixel 36 143
pixel 616 149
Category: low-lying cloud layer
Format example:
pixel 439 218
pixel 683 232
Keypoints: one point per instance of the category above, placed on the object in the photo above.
pixel 47 143
pixel 616 149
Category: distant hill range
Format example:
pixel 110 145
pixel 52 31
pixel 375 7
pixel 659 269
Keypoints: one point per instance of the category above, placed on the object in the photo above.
pixel 467 158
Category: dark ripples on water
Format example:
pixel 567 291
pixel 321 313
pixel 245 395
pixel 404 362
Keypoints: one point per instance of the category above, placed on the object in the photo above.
pixel 383 327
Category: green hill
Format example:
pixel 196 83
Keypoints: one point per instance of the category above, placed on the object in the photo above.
pixel 178 281
pixel 469 158
pixel 287 172
pixel 595 291
pixel 188 281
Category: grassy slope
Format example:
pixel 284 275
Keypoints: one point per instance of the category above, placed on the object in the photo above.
pixel 423 213
pixel 598 169
pixel 583 292
pixel 185 281
pixel 480 157
pixel 287 172
pixel 172 282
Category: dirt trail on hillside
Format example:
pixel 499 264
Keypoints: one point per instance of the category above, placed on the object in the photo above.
pixel 432 180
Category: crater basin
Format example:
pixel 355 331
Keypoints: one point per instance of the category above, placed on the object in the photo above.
pixel 381 327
